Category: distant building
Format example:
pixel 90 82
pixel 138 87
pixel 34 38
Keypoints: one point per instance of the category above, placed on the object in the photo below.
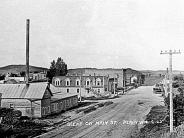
pixel 132 76
pixel 40 76
pixel 13 80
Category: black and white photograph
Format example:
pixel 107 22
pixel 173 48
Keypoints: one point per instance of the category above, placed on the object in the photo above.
pixel 91 69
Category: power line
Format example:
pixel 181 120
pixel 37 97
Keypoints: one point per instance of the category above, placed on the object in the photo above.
pixel 170 52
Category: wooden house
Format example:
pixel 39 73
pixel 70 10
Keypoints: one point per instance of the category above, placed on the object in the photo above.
pixel 32 99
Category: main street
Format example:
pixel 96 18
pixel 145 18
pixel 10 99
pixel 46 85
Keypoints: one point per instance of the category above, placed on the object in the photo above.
pixel 118 120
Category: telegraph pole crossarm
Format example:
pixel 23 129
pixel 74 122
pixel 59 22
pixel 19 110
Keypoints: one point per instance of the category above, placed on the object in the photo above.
pixel 170 52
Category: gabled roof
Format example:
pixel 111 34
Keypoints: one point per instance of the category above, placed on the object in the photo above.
pixel 32 91
pixel 58 96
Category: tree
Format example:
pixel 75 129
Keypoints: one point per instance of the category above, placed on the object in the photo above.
pixel 22 73
pixel 61 67
pixel 178 106
pixel 178 78
pixel 57 68
pixel 2 76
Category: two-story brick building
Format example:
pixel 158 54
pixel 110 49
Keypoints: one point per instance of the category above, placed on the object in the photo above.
pixel 109 72
pixel 84 85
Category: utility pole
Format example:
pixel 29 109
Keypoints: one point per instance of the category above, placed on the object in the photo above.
pixel 27 51
pixel 170 52
pixel 80 86
pixel 124 80
pixel 117 83
pixel 166 80
pixel 114 86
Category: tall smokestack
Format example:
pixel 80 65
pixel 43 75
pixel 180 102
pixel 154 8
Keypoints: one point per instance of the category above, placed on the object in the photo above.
pixel 27 51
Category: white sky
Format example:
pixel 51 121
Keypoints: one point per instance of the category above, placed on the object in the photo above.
pixel 93 33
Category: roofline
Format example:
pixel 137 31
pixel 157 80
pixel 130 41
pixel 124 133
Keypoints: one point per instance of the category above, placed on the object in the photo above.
pixel 82 76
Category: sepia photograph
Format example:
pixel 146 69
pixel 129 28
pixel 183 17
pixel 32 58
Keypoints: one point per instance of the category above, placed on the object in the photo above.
pixel 91 69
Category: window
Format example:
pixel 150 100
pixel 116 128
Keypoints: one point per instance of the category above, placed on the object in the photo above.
pixel 75 100
pixel 98 90
pixel 52 106
pixel 67 90
pixel 98 82
pixel 66 102
pixel 77 90
pixel 48 110
pixel 43 111
pixel 87 81
pixel 77 82
pixel 61 105
pixel 70 102
pixel 57 82
pixel 55 106
pixel 67 82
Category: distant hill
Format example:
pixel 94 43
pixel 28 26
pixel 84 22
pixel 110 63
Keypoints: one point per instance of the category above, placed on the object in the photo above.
pixel 20 68
pixel 156 72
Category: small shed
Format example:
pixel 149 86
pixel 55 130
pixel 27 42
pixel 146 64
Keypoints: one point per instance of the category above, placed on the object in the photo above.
pixel 32 99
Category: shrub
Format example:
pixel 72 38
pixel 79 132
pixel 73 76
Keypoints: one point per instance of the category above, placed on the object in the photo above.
pixel 89 109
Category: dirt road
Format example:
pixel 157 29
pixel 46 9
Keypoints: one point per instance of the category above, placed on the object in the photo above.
pixel 118 120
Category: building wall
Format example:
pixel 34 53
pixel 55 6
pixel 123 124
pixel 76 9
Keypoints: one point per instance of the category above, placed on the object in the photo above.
pixel 24 106
pixel 63 104
pixel 18 79
pixel 86 90
pixel 112 85
pixel 111 73
pixel 62 80
pixel 40 108
pixel 0 98
pixel 45 103
pixel 130 73
pixel 39 76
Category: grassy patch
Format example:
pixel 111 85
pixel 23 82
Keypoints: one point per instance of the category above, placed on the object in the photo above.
pixel 156 123
pixel 108 103
pixel 152 80
pixel 90 109
pixel 99 98
pixel 94 107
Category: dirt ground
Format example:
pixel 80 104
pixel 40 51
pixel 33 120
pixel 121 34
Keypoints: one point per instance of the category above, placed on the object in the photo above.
pixel 119 120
